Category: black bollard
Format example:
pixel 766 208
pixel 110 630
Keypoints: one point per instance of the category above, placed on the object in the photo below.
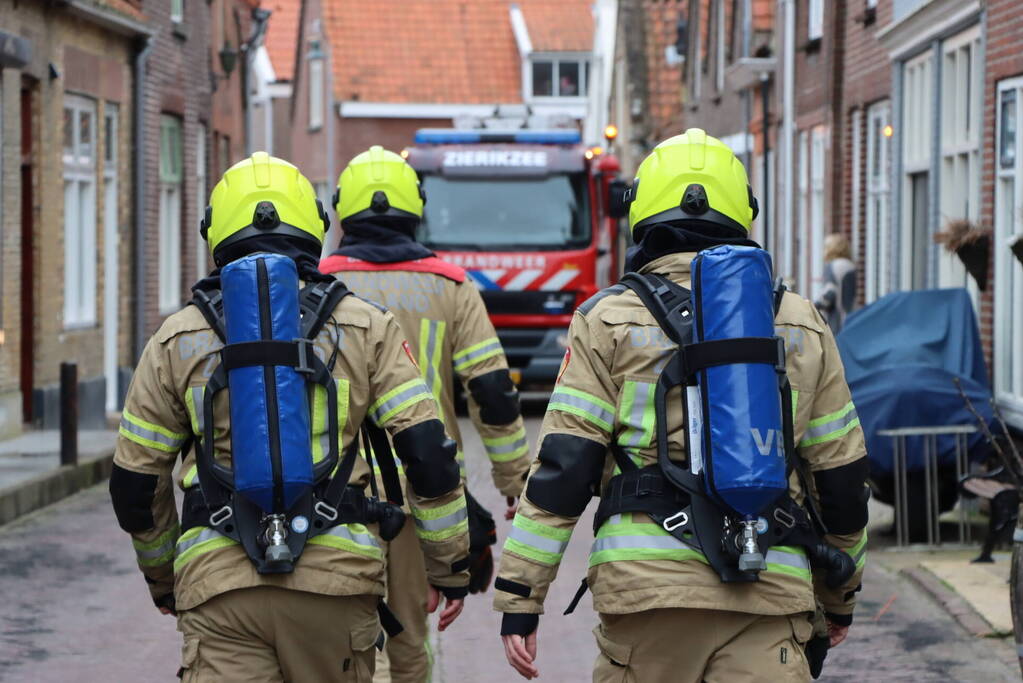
pixel 68 414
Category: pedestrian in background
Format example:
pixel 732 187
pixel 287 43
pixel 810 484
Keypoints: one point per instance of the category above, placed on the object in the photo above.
pixel 838 299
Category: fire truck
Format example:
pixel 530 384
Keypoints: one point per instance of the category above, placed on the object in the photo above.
pixel 528 214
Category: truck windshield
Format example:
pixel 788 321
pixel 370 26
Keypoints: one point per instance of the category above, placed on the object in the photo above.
pixel 505 214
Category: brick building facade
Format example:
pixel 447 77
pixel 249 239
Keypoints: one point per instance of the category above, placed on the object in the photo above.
pixel 67 186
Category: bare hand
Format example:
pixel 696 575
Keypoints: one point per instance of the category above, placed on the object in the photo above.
pixel 168 610
pixel 521 653
pixel 836 633
pixel 452 608
pixel 513 505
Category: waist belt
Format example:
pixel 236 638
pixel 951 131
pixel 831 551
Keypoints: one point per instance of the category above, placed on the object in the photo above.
pixel 353 509
pixel 640 490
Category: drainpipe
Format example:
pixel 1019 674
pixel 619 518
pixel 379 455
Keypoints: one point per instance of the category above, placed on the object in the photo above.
pixel 333 110
pixel 765 89
pixel 260 17
pixel 139 92
pixel 787 12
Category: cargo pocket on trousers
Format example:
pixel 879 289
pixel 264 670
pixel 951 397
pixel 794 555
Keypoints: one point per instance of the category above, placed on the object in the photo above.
pixel 189 671
pixel 613 660
pixel 802 629
pixel 363 640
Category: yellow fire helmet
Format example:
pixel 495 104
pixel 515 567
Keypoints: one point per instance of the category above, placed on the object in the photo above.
pixel 262 195
pixel 378 183
pixel 691 176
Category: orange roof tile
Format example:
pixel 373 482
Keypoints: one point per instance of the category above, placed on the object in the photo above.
pixel 441 51
pixel 282 36
pixel 562 26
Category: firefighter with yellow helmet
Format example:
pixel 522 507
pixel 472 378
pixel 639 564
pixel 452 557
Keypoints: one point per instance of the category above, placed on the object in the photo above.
pixel 379 204
pixel 686 590
pixel 291 590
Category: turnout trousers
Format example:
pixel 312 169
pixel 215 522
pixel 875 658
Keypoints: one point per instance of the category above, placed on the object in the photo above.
pixel 693 645
pixel 266 634
pixel 406 658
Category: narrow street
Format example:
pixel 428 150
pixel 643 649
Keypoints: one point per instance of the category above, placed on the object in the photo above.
pixel 75 609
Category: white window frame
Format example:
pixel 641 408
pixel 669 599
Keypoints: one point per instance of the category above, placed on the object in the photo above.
pixel 556 59
pixel 962 94
pixel 814 19
pixel 877 260
pixel 719 69
pixel 201 198
pixel 177 11
pixel 111 243
pixel 802 213
pixel 917 104
pixel 80 169
pixel 171 191
pixel 814 249
pixel 1008 280
pixel 316 93
pixel 856 191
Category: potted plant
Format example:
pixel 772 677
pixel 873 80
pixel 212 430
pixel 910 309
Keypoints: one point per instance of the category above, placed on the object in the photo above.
pixel 971 243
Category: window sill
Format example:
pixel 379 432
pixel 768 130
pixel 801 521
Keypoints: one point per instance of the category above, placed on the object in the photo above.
pixel 81 326
pixel 180 30
pixel 313 129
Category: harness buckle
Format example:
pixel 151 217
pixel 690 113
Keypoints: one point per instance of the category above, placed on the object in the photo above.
pixel 784 518
pixel 324 510
pixel 305 347
pixel 682 518
pixel 220 516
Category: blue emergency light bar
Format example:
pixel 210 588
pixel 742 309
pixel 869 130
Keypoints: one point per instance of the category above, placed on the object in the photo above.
pixel 455 136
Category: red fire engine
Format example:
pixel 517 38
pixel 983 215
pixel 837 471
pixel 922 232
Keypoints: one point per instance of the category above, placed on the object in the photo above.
pixel 527 214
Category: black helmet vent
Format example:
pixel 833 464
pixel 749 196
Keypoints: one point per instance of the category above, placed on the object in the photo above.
pixel 694 201
pixel 379 203
pixel 265 216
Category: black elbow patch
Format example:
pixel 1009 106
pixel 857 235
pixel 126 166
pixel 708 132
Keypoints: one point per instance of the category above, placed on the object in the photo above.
pixel 843 497
pixel 429 458
pixel 497 397
pixel 513 587
pixel 569 474
pixel 132 495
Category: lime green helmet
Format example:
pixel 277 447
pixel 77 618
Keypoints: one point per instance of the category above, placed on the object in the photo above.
pixel 378 183
pixel 258 196
pixel 695 177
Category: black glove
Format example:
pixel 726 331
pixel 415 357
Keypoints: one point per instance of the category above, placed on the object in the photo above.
pixel 482 535
pixel 168 602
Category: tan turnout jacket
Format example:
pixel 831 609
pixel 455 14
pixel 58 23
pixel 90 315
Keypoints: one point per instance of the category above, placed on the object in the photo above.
pixel 605 393
pixel 376 379
pixel 447 327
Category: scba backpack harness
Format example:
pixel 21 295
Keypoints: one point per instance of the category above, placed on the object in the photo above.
pixel 274 497
pixel 731 499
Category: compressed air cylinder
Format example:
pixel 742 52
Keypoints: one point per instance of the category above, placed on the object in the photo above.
pixel 743 444
pixel 270 439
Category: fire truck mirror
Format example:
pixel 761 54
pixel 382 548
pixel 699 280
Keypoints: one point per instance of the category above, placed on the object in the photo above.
pixel 616 204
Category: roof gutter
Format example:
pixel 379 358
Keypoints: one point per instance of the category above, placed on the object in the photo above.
pixel 139 100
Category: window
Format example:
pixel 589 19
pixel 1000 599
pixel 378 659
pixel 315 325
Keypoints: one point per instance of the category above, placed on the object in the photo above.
pixel 177 11
pixel 797 274
pixel 719 40
pixel 170 213
pixel 223 154
pixel 111 260
pixel 815 242
pixel 856 189
pixel 1008 290
pixel 315 93
pixel 79 211
pixel 201 199
pixel 917 109
pixel 878 261
pixel 815 20
pixel 961 100
pixel 559 77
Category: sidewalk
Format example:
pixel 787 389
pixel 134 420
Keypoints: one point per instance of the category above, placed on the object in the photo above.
pixel 977 595
pixel 31 475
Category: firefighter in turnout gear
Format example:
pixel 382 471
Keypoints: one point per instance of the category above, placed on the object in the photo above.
pixel 379 204
pixel 319 619
pixel 666 610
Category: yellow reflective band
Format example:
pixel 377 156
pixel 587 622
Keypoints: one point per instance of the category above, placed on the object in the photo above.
pixel 431 344
pixel 637 415
pixel 158 551
pixel 318 422
pixel 507 448
pixel 353 538
pixel 587 406
pixel 790 560
pixel 830 427
pixel 536 541
pixel 398 399
pixel 477 353
pixel 198 541
pixel 188 481
pixel 150 435
pixel 859 551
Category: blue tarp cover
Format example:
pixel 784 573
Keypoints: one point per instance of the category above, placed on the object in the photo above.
pixel 901 354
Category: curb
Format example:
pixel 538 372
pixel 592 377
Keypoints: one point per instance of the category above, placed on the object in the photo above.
pixel 969 618
pixel 50 487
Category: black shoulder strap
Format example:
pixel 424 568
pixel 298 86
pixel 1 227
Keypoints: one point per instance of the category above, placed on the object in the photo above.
pixel 317 302
pixel 381 447
pixel 211 305
pixel 668 302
